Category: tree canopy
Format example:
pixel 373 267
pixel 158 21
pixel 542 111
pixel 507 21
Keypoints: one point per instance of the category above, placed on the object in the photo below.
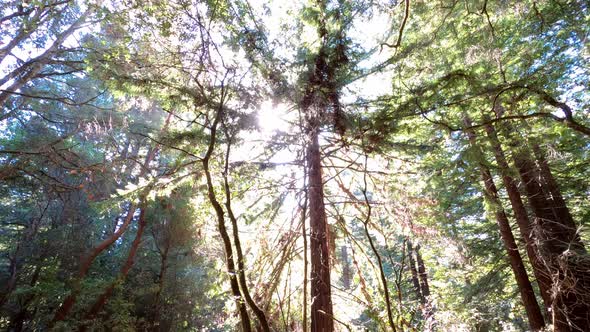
pixel 317 165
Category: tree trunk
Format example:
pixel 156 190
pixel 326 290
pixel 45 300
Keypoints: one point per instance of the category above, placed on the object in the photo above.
pixel 422 273
pixel 414 271
pixel 346 273
pixel 560 208
pixel 564 255
pixel 539 269
pixel 425 288
pixel 229 257
pixel 18 321
pixel 104 297
pixel 305 248
pixel 86 262
pixel 321 306
pixel 240 256
pixel 161 277
pixel 527 294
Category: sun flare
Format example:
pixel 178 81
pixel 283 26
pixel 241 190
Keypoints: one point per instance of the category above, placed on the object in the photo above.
pixel 272 117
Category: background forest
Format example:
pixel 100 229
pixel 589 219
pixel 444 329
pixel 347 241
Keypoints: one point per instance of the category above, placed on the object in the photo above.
pixel 323 165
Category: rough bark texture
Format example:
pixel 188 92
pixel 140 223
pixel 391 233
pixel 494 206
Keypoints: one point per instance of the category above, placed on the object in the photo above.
pixel 527 294
pixel 321 294
pixel 560 249
pixel 563 254
pixel 520 213
pixel 305 247
pixel 552 191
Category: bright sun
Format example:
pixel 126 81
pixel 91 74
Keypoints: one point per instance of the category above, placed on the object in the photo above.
pixel 271 117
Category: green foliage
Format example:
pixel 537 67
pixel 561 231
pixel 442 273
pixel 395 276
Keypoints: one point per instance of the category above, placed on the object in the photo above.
pixel 123 112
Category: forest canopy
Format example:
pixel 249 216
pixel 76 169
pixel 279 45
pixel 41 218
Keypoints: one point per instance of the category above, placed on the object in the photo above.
pixel 315 165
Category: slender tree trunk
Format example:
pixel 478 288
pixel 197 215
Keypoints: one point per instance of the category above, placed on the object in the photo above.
pixel 104 297
pixel 376 253
pixel 86 262
pixel 321 294
pixel 240 256
pixel 161 278
pixel 422 273
pixel 346 273
pixel 539 269
pixel 229 257
pixel 424 286
pixel 414 271
pixel 527 294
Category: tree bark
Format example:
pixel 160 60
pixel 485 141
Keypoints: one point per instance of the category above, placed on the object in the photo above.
pixel 524 224
pixel 229 257
pixel 104 297
pixel 240 256
pixel 564 255
pixel 527 294
pixel 560 208
pixel 414 271
pixel 86 262
pixel 305 247
pixel 422 273
pixel 560 248
pixel 161 278
pixel 321 294
pixel 425 288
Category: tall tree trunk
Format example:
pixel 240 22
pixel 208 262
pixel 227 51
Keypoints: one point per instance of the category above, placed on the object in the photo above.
pixel 161 278
pixel 305 247
pixel 414 271
pixel 104 297
pixel 559 205
pixel 321 294
pixel 236 235
pixel 422 273
pixel 376 252
pixel 229 256
pixel 527 294
pixel 524 224
pixel 563 252
pixel 424 286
